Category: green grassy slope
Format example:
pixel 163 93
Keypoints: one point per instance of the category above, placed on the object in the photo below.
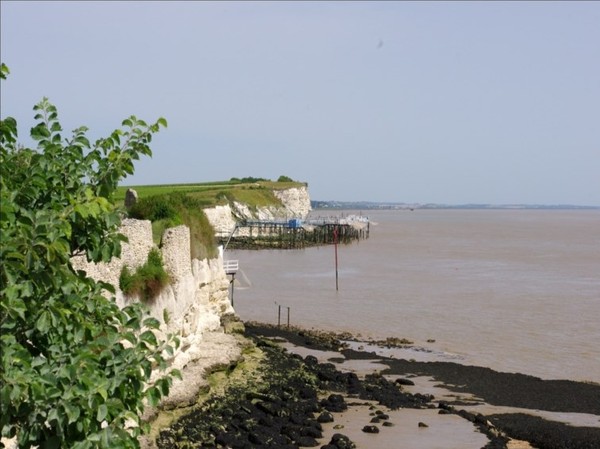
pixel 255 194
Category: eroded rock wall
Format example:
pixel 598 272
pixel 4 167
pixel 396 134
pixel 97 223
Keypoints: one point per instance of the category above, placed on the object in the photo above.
pixel 296 201
pixel 194 301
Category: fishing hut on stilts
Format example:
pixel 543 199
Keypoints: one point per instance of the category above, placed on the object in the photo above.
pixel 297 233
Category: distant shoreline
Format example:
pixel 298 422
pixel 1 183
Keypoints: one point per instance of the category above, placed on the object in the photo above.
pixel 368 205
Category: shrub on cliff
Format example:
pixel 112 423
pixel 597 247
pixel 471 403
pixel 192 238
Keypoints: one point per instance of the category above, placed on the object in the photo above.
pixel 248 180
pixel 148 280
pixel 175 209
pixel 75 368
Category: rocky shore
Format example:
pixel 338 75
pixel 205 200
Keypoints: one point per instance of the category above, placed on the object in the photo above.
pixel 290 400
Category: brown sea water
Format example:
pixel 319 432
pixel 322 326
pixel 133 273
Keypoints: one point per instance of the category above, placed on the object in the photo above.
pixel 514 290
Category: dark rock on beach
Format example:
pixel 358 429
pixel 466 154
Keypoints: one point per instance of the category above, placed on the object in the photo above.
pixel 339 441
pixel 507 389
pixel 325 417
pixel 547 434
pixel 285 406
pixel 503 389
pixel 334 403
pixel 281 409
pixel 370 429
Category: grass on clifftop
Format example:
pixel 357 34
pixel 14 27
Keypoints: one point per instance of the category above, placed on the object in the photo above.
pixel 209 194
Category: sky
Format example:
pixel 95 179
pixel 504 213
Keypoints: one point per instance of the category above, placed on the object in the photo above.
pixel 416 102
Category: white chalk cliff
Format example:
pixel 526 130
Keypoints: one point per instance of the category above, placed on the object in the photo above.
pixel 194 301
pixel 193 304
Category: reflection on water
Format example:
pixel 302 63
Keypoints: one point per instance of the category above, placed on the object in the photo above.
pixel 515 290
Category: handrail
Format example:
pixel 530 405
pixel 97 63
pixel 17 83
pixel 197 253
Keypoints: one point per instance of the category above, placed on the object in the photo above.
pixel 231 266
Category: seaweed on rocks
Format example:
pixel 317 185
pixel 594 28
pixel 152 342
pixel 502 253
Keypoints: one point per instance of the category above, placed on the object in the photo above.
pixel 302 337
pixel 282 407
pixel 373 387
pixel 285 401
pixel 506 389
pixel 277 409
pixel 544 434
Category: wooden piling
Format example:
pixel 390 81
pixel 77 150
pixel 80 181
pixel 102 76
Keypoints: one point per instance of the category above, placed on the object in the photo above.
pixel 280 235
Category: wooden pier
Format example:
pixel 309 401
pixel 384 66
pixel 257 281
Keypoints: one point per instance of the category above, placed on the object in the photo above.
pixel 295 233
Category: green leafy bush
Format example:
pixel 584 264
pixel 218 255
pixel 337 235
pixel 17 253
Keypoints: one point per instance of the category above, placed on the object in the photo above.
pixel 225 196
pixel 174 209
pixel 248 180
pixel 148 280
pixel 74 367
pixel 159 207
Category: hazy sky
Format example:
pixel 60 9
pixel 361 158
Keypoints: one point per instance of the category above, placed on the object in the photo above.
pixel 446 102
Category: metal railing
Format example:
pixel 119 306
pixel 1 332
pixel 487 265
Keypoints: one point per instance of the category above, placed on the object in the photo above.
pixel 231 266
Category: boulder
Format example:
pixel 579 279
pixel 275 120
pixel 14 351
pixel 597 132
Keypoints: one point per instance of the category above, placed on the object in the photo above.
pixel 131 198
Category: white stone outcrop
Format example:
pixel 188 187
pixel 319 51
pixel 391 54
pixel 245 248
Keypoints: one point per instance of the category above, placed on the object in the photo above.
pixel 194 301
pixel 221 218
pixel 296 201
pixel 176 253
pixel 135 253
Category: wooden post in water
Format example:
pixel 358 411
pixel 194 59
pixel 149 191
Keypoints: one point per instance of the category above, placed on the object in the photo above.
pixel 279 315
pixel 335 244
pixel 232 282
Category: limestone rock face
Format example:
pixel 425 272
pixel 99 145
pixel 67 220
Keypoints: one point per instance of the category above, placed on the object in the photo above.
pixel 296 201
pixel 134 253
pixel 221 218
pixel 196 298
pixel 176 252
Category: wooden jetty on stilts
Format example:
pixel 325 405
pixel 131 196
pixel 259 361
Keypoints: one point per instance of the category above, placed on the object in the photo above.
pixel 296 233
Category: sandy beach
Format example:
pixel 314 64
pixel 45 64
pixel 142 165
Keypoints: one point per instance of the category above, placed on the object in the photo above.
pixel 317 389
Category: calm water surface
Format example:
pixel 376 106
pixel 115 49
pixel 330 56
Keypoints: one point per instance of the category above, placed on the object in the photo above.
pixel 515 290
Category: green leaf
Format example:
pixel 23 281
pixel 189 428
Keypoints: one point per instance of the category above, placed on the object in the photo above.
pixel 102 412
pixel 40 132
pixel 153 396
pixel 43 322
pixel 103 393
pixel 53 415
pixel 152 323
pixel 149 337
pixel 4 71
pixel 73 413
pixel 82 445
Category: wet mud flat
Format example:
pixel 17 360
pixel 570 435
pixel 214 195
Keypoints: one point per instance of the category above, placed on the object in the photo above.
pixel 294 401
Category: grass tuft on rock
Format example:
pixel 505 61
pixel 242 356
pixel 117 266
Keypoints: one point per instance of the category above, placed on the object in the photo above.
pixel 148 280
